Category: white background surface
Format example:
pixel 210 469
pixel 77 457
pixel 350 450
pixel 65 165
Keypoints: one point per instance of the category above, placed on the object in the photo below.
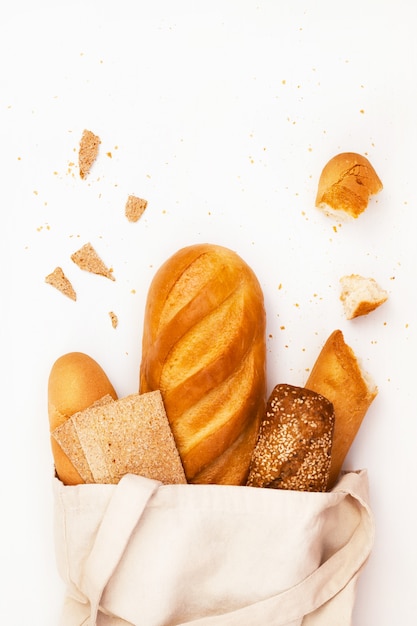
pixel 221 115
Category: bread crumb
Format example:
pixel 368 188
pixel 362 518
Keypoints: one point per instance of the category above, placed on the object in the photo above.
pixel 87 259
pixel 88 152
pixel 58 280
pixel 135 208
pixel 114 319
pixel 360 295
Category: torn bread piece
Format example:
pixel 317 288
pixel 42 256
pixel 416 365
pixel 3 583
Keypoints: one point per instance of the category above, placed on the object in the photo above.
pixel 114 319
pixel 130 435
pixel 88 151
pixel 87 259
pixel 360 295
pixel 134 208
pixel 346 184
pixel 293 450
pixel 67 438
pixel 58 280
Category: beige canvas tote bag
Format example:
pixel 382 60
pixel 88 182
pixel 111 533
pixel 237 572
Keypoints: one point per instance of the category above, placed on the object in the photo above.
pixel 145 554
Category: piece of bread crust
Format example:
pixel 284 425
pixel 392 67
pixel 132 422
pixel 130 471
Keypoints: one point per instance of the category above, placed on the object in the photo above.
pixel 88 151
pixel 360 295
pixel 134 208
pixel 345 185
pixel 114 319
pixel 293 450
pixel 87 259
pixel 58 280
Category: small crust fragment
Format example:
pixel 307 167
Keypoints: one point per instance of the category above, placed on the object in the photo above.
pixel 360 295
pixel 88 151
pixel 58 280
pixel 87 259
pixel 114 319
pixel 345 185
pixel 134 208
pixel 293 450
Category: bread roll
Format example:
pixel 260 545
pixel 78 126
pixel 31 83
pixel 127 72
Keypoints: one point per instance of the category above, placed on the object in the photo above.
pixel 338 376
pixel 75 382
pixel 360 295
pixel 345 185
pixel 295 441
pixel 204 349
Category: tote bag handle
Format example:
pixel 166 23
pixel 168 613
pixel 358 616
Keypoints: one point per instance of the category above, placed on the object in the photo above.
pixel 311 593
pixel 130 497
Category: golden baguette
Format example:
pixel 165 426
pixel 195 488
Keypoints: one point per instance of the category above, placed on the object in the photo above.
pixel 338 376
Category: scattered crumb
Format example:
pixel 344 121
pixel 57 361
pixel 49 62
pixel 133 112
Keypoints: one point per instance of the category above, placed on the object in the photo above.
pixel 135 208
pixel 88 152
pixel 58 280
pixel 87 259
pixel 114 319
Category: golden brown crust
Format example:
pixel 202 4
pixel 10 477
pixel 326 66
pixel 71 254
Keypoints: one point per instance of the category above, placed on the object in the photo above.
pixel 346 183
pixel 204 348
pixel 294 446
pixel 338 376
pixel 75 382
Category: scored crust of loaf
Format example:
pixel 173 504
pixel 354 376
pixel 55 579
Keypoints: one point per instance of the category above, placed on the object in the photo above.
pixel 346 184
pixel 295 441
pixel 58 280
pixel 338 375
pixel 204 348
pixel 360 295
pixel 88 151
pixel 87 259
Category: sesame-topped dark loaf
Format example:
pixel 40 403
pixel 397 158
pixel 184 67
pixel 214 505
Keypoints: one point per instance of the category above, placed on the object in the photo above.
pixel 293 450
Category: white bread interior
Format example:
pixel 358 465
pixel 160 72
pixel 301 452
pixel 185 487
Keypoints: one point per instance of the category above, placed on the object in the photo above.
pixel 360 295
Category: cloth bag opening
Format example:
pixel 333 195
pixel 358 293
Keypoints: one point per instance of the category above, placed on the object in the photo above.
pixel 145 554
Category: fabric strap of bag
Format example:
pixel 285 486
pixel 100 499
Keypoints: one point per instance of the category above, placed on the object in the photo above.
pixel 311 593
pixel 130 497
